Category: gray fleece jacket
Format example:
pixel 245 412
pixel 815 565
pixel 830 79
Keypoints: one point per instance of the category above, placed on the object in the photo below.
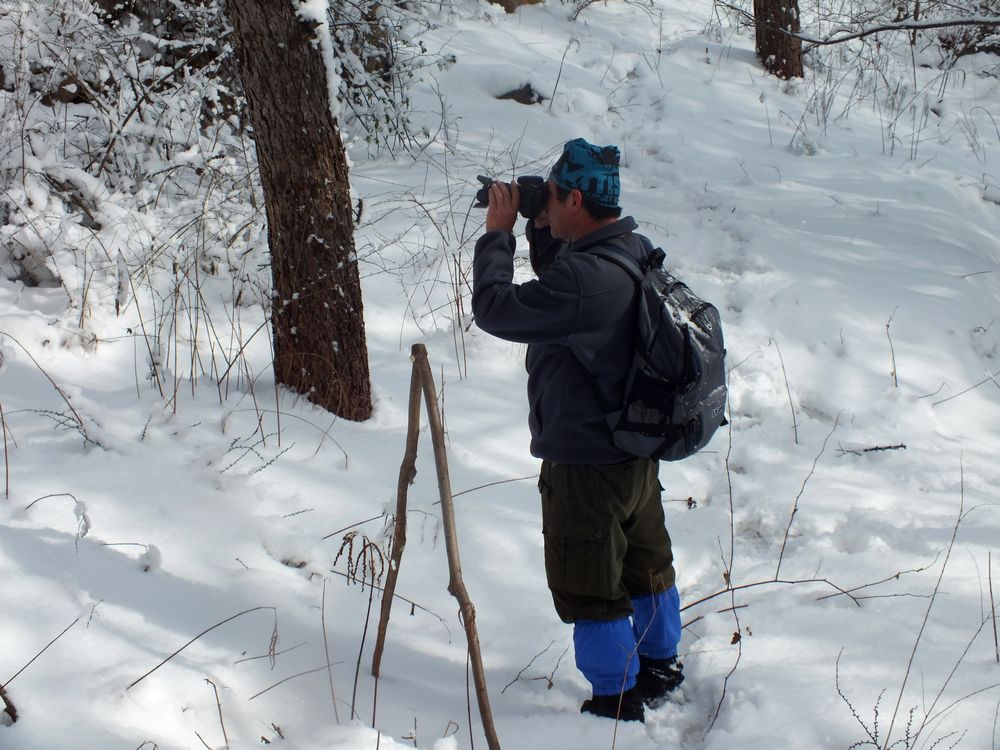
pixel 578 319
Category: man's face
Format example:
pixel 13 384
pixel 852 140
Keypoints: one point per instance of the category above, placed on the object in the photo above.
pixel 558 215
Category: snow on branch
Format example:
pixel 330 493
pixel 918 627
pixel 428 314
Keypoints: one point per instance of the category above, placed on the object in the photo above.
pixel 846 34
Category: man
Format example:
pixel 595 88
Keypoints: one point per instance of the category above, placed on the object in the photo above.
pixel 608 559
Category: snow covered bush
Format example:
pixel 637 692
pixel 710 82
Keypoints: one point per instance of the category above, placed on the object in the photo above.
pixel 379 52
pixel 128 174
pixel 113 137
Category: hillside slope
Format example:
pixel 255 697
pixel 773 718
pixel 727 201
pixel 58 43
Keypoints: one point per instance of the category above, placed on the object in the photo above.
pixel 846 226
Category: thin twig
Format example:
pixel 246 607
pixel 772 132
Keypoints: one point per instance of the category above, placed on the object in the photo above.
pixel 788 390
pixel 413 605
pixel 292 677
pixel 729 483
pixel 893 577
pixel 872 738
pixel 771 582
pixel 218 703
pixel 54 494
pixel 208 630
pixel 989 378
pixel 60 391
pixel 993 606
pixel 795 506
pixel 364 636
pixel 930 716
pixel 559 74
pixel 526 667
pixel 892 351
pixel 353 526
pixel 996 717
pixel 7 683
pixel 6 455
pixel 930 605
pixel 841 451
pixel 270 655
pixel 326 647
pixel 738 640
pixel 493 484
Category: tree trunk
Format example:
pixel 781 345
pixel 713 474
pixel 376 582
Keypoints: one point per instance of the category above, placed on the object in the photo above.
pixel 780 53
pixel 317 319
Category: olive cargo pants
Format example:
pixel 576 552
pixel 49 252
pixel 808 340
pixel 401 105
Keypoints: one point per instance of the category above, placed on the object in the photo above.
pixel 605 537
pixel 610 568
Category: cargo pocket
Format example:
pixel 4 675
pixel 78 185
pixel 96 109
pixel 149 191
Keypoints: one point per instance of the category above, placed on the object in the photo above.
pixel 579 558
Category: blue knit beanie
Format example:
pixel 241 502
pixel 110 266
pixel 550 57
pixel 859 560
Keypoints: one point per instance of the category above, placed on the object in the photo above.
pixel 593 170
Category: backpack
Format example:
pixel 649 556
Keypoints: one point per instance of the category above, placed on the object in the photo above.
pixel 675 391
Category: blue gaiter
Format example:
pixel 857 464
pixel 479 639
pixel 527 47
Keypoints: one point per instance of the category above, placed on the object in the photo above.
pixel 605 654
pixel 657 623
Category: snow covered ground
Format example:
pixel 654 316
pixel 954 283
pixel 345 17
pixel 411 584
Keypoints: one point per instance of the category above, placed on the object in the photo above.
pixel 847 227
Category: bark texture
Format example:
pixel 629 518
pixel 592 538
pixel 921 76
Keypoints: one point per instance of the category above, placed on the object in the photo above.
pixel 317 316
pixel 780 53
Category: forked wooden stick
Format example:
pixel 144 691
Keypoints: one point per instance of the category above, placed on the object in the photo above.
pixel 423 380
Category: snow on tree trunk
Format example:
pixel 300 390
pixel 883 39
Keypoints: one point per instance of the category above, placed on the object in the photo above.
pixel 780 53
pixel 317 318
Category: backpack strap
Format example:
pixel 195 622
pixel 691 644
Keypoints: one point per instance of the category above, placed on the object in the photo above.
pixel 629 264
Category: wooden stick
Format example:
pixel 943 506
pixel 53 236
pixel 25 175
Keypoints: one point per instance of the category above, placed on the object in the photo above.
pixel 422 380
pixel 407 473
pixel 456 586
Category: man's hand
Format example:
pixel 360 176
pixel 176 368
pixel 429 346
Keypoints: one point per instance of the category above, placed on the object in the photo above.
pixel 502 211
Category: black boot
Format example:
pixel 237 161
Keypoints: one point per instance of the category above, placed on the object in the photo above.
pixel 658 678
pixel 625 706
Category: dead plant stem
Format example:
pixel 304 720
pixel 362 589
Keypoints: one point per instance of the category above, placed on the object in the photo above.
pixel 993 606
pixel 326 647
pixel 788 390
pixel 204 632
pixel 292 677
pixel 892 351
pixel 218 703
pixel 493 484
pixel 773 581
pixel 930 605
pixel 732 507
pixel 6 454
pixel 60 391
pixel 738 638
pixel 33 658
pixel 795 506
pixel 361 648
